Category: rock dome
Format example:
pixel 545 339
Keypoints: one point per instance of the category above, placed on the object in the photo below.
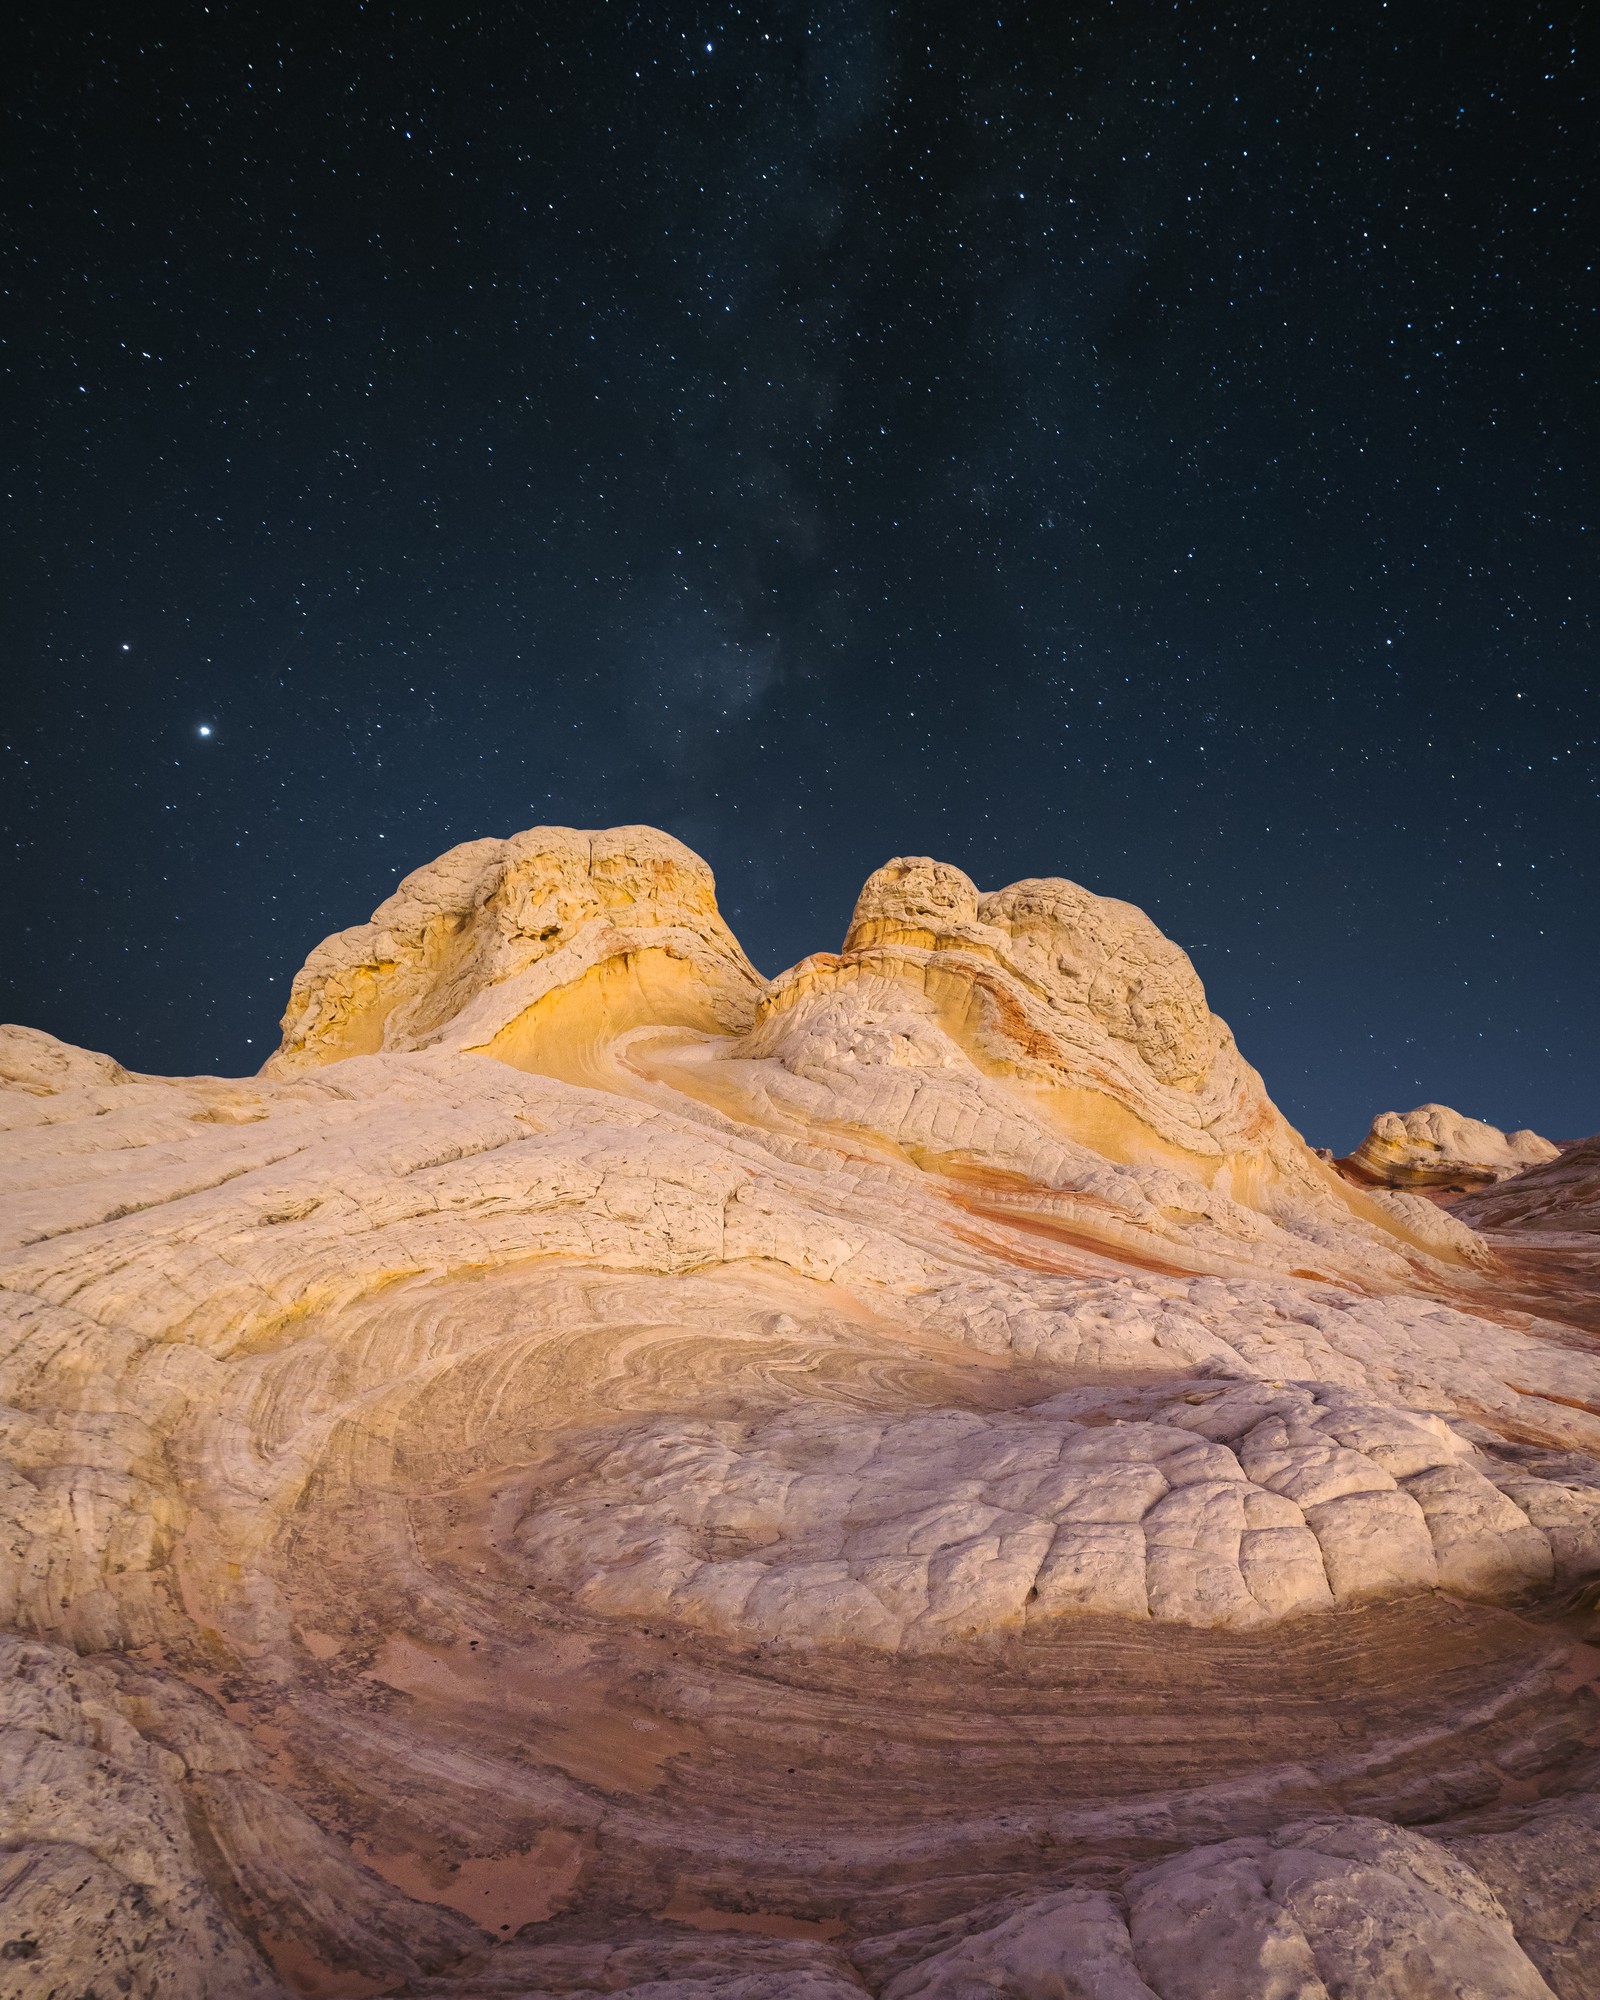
pixel 1435 1147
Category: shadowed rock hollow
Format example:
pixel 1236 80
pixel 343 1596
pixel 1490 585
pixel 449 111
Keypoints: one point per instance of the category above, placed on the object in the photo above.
pixel 600 1473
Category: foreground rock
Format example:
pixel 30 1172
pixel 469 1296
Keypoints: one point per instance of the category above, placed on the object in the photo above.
pixel 599 1473
pixel 1435 1147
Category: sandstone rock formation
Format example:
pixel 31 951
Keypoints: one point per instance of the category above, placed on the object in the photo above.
pixel 599 1473
pixel 1436 1147
pixel 1545 1223
pixel 1562 1194
pixel 534 949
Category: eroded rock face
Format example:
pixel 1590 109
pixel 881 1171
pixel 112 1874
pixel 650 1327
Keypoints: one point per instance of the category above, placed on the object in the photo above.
pixel 1075 1005
pixel 607 930
pixel 1327 1907
pixel 117 1787
pixel 1228 1508
pixel 1562 1194
pixel 595 1473
pixel 1434 1146
pixel 37 1063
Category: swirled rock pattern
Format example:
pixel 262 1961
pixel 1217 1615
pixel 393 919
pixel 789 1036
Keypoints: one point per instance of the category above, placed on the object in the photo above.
pixel 1434 1146
pixel 1563 1195
pixel 600 1473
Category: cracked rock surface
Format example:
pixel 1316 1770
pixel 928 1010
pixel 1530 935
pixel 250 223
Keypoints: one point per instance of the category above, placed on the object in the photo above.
pixel 600 1473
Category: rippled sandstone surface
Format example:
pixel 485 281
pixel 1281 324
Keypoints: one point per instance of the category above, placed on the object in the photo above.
pixel 600 1473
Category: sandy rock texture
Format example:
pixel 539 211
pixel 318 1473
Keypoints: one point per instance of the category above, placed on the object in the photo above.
pixel 597 1472
pixel 1434 1146
pixel 1562 1194
pixel 1230 1508
pixel 550 939
pixel 1544 1225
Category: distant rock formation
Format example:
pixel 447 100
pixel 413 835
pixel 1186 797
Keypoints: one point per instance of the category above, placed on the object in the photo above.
pixel 1562 1194
pixel 596 1472
pixel 1435 1147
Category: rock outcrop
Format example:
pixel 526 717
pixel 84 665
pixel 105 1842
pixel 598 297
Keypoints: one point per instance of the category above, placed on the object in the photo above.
pixel 1435 1147
pixel 533 949
pixel 596 1472
pixel 37 1063
pixel 1563 1193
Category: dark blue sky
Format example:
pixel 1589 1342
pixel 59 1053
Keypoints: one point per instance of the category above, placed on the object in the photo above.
pixel 1150 444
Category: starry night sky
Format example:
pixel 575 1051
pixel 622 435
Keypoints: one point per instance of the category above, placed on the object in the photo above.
pixel 1150 444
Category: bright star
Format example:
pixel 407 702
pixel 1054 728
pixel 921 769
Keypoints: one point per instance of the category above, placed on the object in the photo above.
pixel 205 729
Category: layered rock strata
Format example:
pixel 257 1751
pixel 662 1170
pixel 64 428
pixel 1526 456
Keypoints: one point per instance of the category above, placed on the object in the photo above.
pixel 1435 1147
pixel 597 1472
pixel 1562 1194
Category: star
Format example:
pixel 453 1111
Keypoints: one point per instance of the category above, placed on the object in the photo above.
pixel 935 454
